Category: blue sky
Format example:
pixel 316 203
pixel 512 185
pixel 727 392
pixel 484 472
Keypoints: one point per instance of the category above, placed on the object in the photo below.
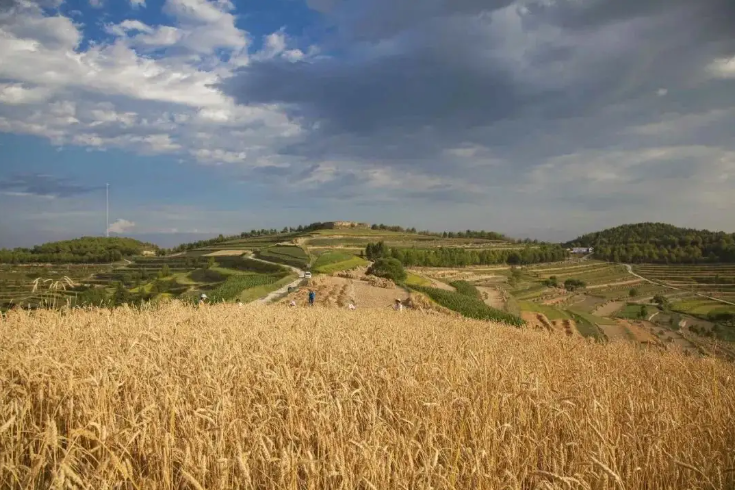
pixel 542 118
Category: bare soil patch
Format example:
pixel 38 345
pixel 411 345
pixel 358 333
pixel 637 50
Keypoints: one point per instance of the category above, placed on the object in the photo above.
pixel 492 297
pixel 639 330
pixel 225 253
pixel 616 332
pixel 339 292
pixel 608 309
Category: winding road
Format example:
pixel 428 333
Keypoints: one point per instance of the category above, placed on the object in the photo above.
pixel 283 290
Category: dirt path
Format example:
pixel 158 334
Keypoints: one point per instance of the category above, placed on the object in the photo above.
pixel 492 297
pixel 279 292
pixel 608 309
pixel 283 290
pixel 613 284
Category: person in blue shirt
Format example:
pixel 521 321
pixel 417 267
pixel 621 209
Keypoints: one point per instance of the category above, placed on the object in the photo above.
pixel 312 297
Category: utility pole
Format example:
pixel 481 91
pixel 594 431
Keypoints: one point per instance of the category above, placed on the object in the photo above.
pixel 107 210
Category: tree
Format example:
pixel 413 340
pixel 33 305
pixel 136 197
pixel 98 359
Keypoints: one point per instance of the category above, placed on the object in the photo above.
pixel 643 313
pixel 633 292
pixel 388 268
pixel 661 300
pixel 121 295
pixel 210 263
pixel 165 271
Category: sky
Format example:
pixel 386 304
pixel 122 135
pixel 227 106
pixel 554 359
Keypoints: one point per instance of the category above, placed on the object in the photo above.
pixel 535 118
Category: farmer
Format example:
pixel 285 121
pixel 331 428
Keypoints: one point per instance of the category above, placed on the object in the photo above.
pixel 312 297
pixel 399 305
pixel 202 299
pixel 292 303
pixel 351 306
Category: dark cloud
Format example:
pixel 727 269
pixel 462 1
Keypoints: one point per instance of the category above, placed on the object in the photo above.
pixel 43 185
pixel 525 82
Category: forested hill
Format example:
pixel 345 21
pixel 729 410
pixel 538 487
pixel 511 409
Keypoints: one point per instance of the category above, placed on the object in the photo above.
pixel 659 243
pixel 79 250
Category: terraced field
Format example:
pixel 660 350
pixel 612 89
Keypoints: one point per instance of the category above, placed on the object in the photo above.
pixel 16 281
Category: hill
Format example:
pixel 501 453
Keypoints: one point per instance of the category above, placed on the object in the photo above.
pixel 88 250
pixel 278 397
pixel 659 243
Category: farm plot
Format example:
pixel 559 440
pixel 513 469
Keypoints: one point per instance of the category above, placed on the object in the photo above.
pixel 17 282
pixel 283 254
pixel 700 306
pixel 335 261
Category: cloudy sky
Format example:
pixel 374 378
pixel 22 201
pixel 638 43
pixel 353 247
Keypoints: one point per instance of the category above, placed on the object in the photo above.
pixel 543 118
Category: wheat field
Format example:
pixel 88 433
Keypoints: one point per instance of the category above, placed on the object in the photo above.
pixel 271 397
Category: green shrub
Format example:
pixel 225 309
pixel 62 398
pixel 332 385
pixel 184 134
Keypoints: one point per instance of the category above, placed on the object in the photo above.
pixel 469 307
pixel 572 284
pixel 388 268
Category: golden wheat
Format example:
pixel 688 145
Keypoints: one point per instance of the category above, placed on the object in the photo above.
pixel 273 397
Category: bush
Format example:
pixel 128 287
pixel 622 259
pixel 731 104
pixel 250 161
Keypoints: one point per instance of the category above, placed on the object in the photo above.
pixel 388 269
pixel 633 293
pixel 572 284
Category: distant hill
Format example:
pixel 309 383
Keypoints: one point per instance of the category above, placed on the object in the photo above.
pixel 79 250
pixel 659 243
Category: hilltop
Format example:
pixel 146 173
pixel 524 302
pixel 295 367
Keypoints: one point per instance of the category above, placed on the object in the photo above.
pixel 658 243
pixel 79 250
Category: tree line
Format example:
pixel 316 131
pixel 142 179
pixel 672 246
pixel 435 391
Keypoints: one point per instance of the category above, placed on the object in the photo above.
pixel 93 250
pixel 659 243
pixel 459 257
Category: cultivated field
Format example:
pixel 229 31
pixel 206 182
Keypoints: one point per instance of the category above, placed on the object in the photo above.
pixel 277 397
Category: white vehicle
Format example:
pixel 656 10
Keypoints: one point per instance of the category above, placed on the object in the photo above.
pixel 307 275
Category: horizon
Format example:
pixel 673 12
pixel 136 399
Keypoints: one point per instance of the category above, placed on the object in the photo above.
pixel 537 119
pixel 169 241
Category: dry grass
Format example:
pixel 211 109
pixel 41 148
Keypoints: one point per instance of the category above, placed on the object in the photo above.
pixel 271 397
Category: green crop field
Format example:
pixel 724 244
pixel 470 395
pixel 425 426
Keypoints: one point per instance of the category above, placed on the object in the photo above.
pixel 468 306
pixel 416 280
pixel 466 289
pixel 549 311
pixel 285 254
pixel 632 311
pixel 237 283
pixel 701 307
pixel 334 261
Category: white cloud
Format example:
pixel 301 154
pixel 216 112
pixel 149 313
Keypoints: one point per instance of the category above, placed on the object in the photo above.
pixel 137 3
pixel 161 105
pixel 16 93
pixel 661 92
pixel 121 226
pixel 723 67
pixel 97 4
